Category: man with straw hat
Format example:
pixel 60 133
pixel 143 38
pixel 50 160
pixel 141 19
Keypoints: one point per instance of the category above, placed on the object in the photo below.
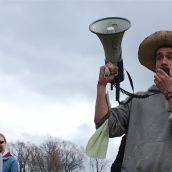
pixel 147 122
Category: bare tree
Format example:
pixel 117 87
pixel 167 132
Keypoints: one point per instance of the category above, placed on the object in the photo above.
pixel 36 160
pixel 53 155
pixel 98 165
pixel 22 152
pixel 72 157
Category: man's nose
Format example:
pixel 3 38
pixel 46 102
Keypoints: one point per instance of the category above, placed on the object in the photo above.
pixel 164 60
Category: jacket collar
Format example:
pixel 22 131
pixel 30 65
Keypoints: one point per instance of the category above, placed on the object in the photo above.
pixel 6 156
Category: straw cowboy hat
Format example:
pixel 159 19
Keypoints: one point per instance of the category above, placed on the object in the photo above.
pixel 150 45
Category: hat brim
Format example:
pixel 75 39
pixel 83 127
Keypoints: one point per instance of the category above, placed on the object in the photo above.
pixel 150 45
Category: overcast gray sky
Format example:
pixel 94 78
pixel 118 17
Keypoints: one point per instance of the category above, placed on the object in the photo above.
pixel 49 63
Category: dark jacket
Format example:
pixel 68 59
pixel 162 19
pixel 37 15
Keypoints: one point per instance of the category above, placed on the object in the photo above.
pixel 117 164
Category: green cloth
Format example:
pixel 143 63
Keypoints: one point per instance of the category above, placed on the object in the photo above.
pixel 98 143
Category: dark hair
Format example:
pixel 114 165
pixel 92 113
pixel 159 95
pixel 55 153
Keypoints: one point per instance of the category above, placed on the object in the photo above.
pixel 3 137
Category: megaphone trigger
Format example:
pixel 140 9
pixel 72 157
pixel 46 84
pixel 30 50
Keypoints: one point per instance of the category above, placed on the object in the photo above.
pixel 106 72
pixel 116 74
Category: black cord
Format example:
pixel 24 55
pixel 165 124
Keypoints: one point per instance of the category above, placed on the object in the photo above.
pixel 132 95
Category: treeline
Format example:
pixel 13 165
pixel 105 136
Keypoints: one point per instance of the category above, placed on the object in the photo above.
pixel 54 155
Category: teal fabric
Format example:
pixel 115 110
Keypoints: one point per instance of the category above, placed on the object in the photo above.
pixel 98 143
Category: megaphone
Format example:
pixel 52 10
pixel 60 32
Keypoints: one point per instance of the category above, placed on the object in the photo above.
pixel 110 31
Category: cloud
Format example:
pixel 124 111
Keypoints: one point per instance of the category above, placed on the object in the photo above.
pixel 49 63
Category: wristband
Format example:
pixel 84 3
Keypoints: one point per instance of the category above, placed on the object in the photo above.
pixel 168 95
pixel 101 83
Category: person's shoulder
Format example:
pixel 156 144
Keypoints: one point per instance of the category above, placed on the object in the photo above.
pixel 10 161
pixel 140 95
pixel 146 93
pixel 10 156
pixel 14 163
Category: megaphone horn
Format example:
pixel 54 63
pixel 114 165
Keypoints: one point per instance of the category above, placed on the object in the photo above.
pixel 110 32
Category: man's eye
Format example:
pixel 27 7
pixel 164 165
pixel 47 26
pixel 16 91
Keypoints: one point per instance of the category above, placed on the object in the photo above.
pixel 169 56
pixel 158 57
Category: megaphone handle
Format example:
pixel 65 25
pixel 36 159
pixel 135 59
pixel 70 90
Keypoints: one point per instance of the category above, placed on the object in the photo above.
pixel 117 91
pixel 111 86
pixel 117 85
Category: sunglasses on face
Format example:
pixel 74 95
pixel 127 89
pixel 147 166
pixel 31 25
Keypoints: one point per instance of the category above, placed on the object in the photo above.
pixel 1 142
